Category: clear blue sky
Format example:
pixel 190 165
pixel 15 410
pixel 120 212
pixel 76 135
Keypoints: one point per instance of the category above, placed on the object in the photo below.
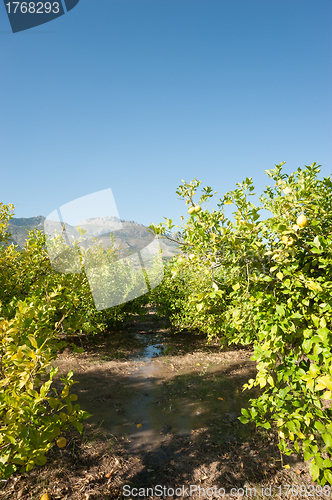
pixel 135 95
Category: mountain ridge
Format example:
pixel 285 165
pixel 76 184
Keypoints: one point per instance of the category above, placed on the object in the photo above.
pixel 132 237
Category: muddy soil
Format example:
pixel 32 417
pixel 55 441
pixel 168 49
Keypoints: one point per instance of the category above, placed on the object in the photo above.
pixel 164 419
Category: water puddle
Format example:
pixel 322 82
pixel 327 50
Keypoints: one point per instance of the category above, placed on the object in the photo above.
pixel 148 399
pixel 153 347
pixel 164 403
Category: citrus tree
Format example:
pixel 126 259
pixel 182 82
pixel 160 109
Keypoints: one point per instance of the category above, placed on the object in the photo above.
pixel 38 308
pixel 268 282
pixel 33 310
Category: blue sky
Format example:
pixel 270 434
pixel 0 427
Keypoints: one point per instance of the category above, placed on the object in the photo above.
pixel 135 95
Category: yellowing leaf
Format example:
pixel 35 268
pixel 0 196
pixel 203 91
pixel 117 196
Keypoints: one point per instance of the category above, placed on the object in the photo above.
pixel 139 425
pixel 310 383
pixel 33 341
pixel 314 370
pixel 286 466
pixel 280 275
pixel 221 399
pixel 65 392
pixel 262 382
pixel 198 364
pixel 327 395
pixel 314 286
pixel 324 382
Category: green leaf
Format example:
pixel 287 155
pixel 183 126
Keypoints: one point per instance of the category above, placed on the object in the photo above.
pixel 327 462
pixel 314 470
pixel 307 455
pixel 327 439
pixel 306 344
pixel 319 426
pixel 29 465
pixel 290 425
pixel 40 460
pixel 8 438
pixel 328 476
pixel 280 310
pixel 79 427
pixel 323 334
pixel 54 402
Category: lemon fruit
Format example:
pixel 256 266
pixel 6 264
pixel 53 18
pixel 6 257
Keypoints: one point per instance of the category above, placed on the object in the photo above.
pixel 301 221
pixel 46 496
pixel 198 208
pixel 191 210
pixel 61 442
pixel 288 240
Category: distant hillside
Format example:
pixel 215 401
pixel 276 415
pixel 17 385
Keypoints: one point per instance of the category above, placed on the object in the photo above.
pixel 130 235
pixel 19 228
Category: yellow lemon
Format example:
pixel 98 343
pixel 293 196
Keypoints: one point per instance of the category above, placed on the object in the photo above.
pixel 61 442
pixel 198 208
pixel 301 221
pixel 46 496
pixel 191 210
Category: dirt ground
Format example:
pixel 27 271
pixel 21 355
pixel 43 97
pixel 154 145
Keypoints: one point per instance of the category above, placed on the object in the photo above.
pixel 164 425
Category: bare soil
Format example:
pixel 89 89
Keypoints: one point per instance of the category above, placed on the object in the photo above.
pixel 164 412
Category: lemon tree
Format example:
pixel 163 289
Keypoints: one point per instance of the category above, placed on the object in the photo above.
pixel 268 282
pixel 32 415
pixel 38 308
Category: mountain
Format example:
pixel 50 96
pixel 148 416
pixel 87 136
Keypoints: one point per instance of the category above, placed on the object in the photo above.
pixel 130 235
pixel 19 227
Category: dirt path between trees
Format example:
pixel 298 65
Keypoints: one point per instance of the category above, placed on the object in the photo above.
pixel 164 419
